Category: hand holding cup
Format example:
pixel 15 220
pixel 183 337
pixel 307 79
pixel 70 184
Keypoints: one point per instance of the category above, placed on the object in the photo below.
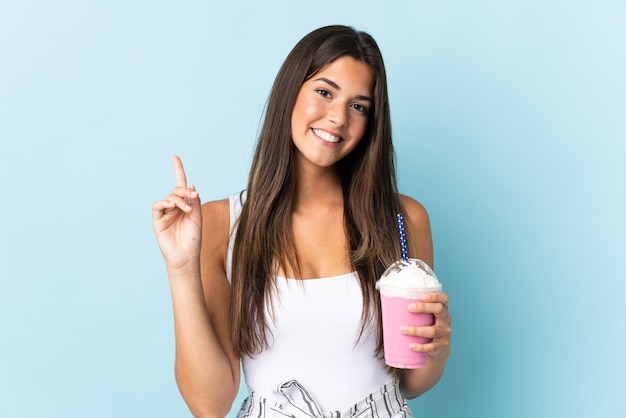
pixel 406 290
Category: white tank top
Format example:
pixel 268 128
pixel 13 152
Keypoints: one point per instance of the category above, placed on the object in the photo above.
pixel 313 339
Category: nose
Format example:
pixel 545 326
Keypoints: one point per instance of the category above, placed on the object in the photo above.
pixel 338 114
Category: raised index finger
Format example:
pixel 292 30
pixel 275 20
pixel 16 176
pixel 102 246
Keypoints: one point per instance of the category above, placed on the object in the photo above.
pixel 179 171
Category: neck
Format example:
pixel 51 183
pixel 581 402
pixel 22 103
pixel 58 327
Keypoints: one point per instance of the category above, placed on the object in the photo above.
pixel 317 187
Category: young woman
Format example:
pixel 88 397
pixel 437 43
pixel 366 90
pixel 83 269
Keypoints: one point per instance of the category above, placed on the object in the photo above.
pixel 281 277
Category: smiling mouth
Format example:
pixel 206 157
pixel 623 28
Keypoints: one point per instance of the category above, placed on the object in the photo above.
pixel 326 136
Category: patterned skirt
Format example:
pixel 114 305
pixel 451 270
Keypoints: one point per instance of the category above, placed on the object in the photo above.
pixel 384 402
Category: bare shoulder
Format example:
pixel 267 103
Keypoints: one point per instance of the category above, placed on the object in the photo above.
pixel 216 214
pixel 414 210
pixel 215 233
pixel 417 224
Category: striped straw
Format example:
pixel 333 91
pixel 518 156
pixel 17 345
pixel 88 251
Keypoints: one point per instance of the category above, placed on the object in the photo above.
pixel 405 254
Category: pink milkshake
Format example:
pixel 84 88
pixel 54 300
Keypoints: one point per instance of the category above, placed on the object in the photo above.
pixel 402 283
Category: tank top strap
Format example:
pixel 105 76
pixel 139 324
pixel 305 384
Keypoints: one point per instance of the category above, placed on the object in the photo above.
pixel 235 202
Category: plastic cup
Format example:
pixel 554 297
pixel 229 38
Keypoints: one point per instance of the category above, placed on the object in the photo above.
pixel 394 299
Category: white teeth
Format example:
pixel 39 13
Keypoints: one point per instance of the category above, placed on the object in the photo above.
pixel 326 136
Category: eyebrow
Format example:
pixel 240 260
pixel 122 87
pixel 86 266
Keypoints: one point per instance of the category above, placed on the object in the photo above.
pixel 336 86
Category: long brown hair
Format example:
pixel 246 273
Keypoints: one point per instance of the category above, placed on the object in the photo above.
pixel 264 235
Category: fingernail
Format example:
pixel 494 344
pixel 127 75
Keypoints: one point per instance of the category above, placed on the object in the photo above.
pixel 411 306
pixel 404 329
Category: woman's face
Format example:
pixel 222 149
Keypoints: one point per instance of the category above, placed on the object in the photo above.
pixel 331 112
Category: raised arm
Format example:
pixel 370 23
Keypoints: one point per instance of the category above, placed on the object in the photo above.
pixel 193 240
pixel 414 382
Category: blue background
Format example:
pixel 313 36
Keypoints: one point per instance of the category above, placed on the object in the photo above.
pixel 509 121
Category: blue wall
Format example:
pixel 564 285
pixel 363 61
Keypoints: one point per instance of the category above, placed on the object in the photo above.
pixel 509 120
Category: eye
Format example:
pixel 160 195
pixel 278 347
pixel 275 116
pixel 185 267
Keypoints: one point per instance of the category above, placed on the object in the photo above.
pixel 323 92
pixel 360 108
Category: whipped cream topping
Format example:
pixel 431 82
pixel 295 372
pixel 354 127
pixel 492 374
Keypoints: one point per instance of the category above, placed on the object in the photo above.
pixel 409 276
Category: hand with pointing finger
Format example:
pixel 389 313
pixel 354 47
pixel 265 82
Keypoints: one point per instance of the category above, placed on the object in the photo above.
pixel 177 222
